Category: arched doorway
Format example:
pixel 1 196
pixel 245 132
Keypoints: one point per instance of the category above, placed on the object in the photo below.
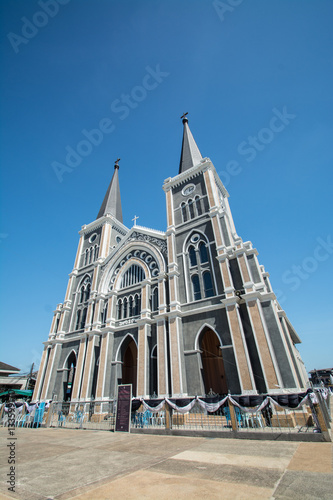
pixel 69 382
pixel 213 372
pixel 129 373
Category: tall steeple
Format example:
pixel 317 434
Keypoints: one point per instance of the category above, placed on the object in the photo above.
pixel 190 154
pixel 112 203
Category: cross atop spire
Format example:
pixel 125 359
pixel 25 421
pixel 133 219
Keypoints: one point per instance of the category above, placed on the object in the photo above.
pixel 190 154
pixel 112 203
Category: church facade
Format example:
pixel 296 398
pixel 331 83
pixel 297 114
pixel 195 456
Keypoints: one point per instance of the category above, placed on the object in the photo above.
pixel 184 312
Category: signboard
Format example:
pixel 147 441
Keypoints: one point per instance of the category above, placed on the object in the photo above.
pixel 124 405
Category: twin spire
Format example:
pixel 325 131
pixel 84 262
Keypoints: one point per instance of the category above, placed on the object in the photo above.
pixel 190 156
pixel 112 202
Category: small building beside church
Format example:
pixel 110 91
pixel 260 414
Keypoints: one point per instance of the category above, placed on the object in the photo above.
pixel 177 313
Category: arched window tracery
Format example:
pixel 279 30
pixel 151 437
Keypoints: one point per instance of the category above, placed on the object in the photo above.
pixel 119 309
pixel 82 306
pixel 134 275
pixel 196 287
pixel 199 268
pixel 154 299
pixel 192 256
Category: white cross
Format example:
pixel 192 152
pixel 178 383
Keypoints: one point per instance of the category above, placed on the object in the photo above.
pixel 135 219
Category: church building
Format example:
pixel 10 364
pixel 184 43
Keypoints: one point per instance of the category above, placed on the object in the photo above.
pixel 185 312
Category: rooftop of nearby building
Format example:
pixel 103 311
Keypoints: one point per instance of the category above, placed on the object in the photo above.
pixel 6 369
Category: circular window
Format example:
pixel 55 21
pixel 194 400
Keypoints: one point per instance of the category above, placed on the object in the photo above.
pixel 148 259
pixel 188 189
pixel 92 238
pixel 155 272
pixel 152 265
pixel 195 238
pixel 136 253
pixel 129 256
pixel 143 255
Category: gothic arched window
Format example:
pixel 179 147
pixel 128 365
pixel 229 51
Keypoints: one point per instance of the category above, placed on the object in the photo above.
pixel 198 205
pixel 208 284
pixel 191 208
pixel 184 211
pixel 125 307
pixel 87 292
pixel 134 274
pixel 86 257
pixel 192 255
pixel 119 309
pixel 137 304
pixel 196 287
pixel 96 252
pixel 78 318
pixel 83 318
pixel 203 252
pixel 130 306
pixel 91 254
pixel 199 267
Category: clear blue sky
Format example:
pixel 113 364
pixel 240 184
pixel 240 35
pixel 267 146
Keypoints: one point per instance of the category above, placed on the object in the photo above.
pixel 233 70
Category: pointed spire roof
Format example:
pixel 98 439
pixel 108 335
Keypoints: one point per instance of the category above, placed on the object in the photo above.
pixel 112 203
pixel 190 154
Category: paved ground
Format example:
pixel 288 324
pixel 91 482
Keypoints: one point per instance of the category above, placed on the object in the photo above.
pixel 65 464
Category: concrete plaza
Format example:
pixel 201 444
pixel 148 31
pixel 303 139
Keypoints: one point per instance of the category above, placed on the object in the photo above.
pixel 68 464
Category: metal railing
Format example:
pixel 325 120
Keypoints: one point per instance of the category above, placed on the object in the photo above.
pixel 83 415
pixel 101 415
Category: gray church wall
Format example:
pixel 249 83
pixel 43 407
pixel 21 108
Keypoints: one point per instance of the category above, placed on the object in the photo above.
pixel 217 270
pixel 67 320
pixel 218 321
pixel 109 368
pixel 252 349
pixel 231 371
pixel 179 198
pixel 195 386
pixel 54 372
pixel 91 391
pixel 225 231
pixel 194 323
pixel 280 353
pixel 291 351
pixel 235 274
pixel 253 269
pixel 59 386
pixel 200 190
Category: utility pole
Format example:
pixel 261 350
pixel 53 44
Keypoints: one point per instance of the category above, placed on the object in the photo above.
pixel 29 377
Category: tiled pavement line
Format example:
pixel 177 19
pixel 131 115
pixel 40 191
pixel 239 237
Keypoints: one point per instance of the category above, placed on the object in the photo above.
pixel 77 492
pixel 277 485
